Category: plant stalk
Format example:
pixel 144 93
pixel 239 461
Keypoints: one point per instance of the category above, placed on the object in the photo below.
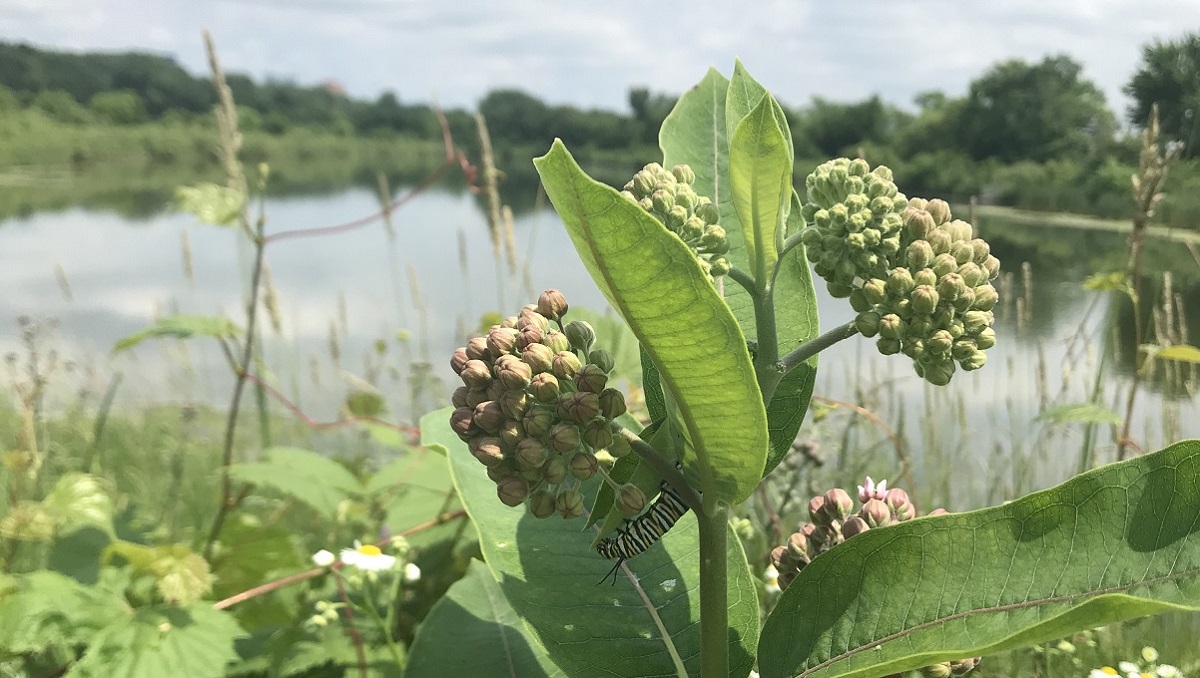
pixel 714 594
pixel 808 349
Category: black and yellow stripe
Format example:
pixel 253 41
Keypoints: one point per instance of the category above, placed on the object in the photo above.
pixel 639 534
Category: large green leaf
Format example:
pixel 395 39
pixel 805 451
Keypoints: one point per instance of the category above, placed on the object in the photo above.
pixel 654 281
pixel 79 500
pixel 474 614
pixel 211 203
pixel 44 609
pixel 760 173
pixel 180 327
pixel 550 575
pixel 162 640
pixel 1111 544
pixel 318 481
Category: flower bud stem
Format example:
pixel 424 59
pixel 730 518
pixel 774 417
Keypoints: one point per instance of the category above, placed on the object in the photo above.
pixel 744 279
pixel 665 468
pixel 808 349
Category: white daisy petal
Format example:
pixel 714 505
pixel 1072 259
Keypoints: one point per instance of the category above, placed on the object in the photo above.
pixel 323 558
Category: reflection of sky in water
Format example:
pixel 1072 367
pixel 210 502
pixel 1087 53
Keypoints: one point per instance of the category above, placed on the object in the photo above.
pixel 120 274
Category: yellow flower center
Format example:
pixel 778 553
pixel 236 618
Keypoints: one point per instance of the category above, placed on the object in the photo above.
pixel 369 550
pixel 1110 671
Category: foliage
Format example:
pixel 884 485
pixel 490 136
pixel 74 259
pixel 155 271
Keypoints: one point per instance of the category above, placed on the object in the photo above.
pixel 1169 77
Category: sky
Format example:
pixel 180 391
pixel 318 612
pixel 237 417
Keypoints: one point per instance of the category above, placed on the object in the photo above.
pixel 590 53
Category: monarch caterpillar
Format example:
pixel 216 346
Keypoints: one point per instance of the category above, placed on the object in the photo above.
pixel 639 534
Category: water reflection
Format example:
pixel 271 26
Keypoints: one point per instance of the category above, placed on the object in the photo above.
pixel 434 275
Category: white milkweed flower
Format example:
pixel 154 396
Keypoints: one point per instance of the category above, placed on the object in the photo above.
pixel 771 579
pixel 870 490
pixel 368 557
pixel 412 573
pixel 323 558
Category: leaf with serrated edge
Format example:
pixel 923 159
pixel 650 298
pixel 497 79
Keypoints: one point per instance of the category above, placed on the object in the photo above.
pixel 180 327
pixel 654 281
pixel 474 613
pixel 318 481
pixel 162 640
pixel 550 575
pixel 1111 544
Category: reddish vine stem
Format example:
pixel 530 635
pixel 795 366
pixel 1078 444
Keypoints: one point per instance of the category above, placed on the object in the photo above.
pixel 308 421
pixel 874 419
pixel 351 629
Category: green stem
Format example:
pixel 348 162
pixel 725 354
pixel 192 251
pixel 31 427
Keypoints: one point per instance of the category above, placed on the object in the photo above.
pixel 808 349
pixel 789 244
pixel 665 468
pixel 744 279
pixel 369 603
pixel 714 594
pixel 768 343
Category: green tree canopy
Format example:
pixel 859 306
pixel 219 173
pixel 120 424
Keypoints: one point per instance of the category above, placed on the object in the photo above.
pixel 1169 75
pixel 121 107
pixel 1020 111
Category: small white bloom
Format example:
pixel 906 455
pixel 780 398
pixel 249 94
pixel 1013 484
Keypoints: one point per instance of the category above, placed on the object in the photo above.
pixel 412 573
pixel 1149 654
pixel 1065 646
pixel 771 579
pixel 323 558
pixel 753 674
pixel 368 557
pixel 1103 672
pixel 1168 671
pixel 1129 667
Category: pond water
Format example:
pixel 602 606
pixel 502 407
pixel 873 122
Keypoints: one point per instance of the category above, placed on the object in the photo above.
pixel 100 276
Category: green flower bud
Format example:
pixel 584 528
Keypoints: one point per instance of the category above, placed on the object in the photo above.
pixel 663 201
pixel 580 407
pixel 838 504
pixel 941 670
pixel 986 338
pixel 858 301
pixel 839 290
pixel 817 513
pixel 875 513
pixel 975 361
pixel 564 436
pixel 488 416
pixel 531 453
pixel 512 433
pixel 630 500
pixel 544 387
pixel 960 230
pixel 642 183
pixel 501 340
pixel 512 491
pixel 888 346
pixel 719 267
pixel 868 323
pixel 513 372
pixel 675 219
pixel 539 357
pixel 505 469
pixel 715 240
pixel 985 298
pixel 628 194
pixel 685 197
pixel 939 240
pixel 919 254
pixel 992 266
pixel 569 504
pixel 797 546
pixel 459 359
pixel 965 300
pixel 899 504
pixel 938 373
pixel 924 299
pixel 925 276
pixel 583 465
pixel 683 174
pixel 555 470
pixel 854 526
pixel 477 349
pixel 487 450
pixel 962 252
pixel 612 403
pixel 707 211
pixel 530 316
pixel 619 447
pixel 900 282
pixel 591 378
pixel 580 334
pixel 961 667
pixel 552 304
pixel 514 403
pixel 556 341
pixel 938 209
pixel 602 359
pixel 692 231
pixel 918 224
pixel 542 504
pixel 875 290
pixel 913 348
pixel 530 334
pixel 944 264
pixel 939 342
pixel 597 434
pixel 973 274
pixel 975 321
pixel 459 397
pixel 951 286
pixel 538 420
pixel 476 374
pixel 891 326
pixel 963 348
pixel 565 365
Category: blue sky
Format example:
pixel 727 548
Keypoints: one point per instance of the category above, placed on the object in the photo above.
pixel 590 53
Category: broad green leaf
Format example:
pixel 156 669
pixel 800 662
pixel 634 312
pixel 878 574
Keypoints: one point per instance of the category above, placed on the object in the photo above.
pixel 760 173
pixel 1087 413
pixel 550 575
pixel 250 554
pixel 180 327
pixel 744 95
pixel 211 203
pixel 79 500
pixel 318 481
pixel 613 335
pixel 386 435
pixel 1111 544
pixel 475 614
pixel 46 609
pixel 1182 352
pixel 180 575
pixel 413 489
pixel 654 281
pixel 162 640
pixel 1117 281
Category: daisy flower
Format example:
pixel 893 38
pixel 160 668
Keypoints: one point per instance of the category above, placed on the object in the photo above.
pixel 771 579
pixel 323 558
pixel 368 557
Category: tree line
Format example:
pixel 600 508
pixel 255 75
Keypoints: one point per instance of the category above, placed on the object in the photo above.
pixel 1020 127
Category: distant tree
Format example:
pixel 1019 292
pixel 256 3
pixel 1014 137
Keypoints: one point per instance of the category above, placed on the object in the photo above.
pixel 1017 111
pixel 1169 75
pixel 834 129
pixel 649 111
pixel 8 100
pixel 933 127
pixel 60 106
pixel 515 115
pixel 121 107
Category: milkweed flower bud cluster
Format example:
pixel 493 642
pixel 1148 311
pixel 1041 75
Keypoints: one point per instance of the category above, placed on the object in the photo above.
pixel 834 518
pixel 670 197
pixel 535 406
pixel 919 280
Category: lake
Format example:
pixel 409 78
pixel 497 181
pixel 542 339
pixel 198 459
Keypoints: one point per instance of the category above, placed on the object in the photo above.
pixel 432 276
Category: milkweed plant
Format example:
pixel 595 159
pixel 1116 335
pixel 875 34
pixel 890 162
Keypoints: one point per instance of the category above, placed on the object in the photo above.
pixel 708 256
